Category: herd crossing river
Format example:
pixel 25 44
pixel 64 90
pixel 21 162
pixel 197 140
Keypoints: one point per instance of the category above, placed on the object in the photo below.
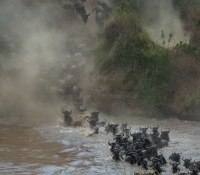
pixel 69 139
pixel 51 148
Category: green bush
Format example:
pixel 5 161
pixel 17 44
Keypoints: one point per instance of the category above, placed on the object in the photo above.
pixel 126 45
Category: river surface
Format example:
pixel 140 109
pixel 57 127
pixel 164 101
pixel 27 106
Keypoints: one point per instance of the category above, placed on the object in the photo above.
pixel 31 146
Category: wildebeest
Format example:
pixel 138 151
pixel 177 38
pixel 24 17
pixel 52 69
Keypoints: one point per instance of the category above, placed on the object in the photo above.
pixel 144 131
pixel 113 127
pixel 80 9
pixel 175 157
pixel 160 142
pixel 116 154
pixel 155 129
pixel 95 130
pixel 197 164
pixel 98 9
pixel 124 125
pixel 187 162
pixel 194 170
pixel 136 136
pixel 157 167
pixel 92 122
pixel 105 6
pixel 68 118
pixel 165 135
pixel 94 115
pixel 126 131
pixel 113 145
pixel 100 19
pixel 175 167
pixel 102 123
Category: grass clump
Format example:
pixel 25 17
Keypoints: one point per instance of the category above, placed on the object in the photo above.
pixel 191 102
pixel 125 44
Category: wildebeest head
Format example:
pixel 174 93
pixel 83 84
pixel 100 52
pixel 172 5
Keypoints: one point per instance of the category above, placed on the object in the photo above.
pixel 124 125
pixel 165 134
pixel 197 164
pixel 68 118
pixel 103 123
pixel 66 112
pixel 144 129
pixel 95 113
pixel 187 162
pixel 174 167
pixel 127 131
pixel 154 129
pixel 136 136
pixel 175 157
pixel 113 125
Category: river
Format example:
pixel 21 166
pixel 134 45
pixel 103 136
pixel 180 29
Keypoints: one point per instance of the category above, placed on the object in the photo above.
pixel 35 147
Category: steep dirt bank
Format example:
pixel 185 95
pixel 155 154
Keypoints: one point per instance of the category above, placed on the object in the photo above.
pixel 183 98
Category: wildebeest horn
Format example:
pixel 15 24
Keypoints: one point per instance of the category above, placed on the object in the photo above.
pixel 109 124
pixel 190 159
pixel 183 158
pixel 86 117
pixel 109 142
pixel 170 163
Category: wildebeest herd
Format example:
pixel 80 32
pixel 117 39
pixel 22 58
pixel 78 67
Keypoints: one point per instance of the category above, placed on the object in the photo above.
pixel 141 148
pixel 102 11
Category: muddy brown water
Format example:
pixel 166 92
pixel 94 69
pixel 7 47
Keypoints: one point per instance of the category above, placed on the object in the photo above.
pixel 35 147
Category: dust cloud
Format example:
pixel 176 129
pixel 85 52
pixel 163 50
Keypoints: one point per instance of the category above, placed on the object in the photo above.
pixel 36 60
pixel 37 40
pixel 161 15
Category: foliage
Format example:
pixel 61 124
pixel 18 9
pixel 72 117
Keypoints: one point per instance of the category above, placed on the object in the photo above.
pixel 126 45
pixel 191 101
pixel 185 47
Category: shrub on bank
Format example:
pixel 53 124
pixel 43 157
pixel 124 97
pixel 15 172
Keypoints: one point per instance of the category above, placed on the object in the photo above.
pixel 125 45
